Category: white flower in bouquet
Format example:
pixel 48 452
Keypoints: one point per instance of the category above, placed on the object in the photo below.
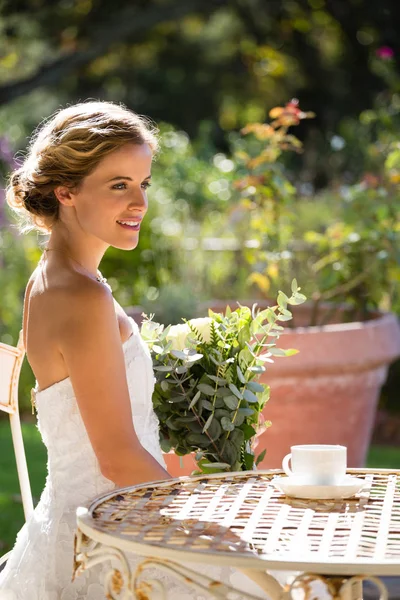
pixel 178 333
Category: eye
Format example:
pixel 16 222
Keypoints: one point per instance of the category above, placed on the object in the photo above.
pixel 146 184
pixel 117 186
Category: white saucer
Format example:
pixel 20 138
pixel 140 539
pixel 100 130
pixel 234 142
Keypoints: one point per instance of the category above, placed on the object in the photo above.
pixel 297 488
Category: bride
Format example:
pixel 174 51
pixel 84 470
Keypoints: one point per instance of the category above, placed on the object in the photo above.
pixel 84 181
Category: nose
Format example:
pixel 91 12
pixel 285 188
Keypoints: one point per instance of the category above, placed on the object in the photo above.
pixel 138 202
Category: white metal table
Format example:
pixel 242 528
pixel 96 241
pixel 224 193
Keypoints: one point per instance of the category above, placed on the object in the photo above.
pixel 242 520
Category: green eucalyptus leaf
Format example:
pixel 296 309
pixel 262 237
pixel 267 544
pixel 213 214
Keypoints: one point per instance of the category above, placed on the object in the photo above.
pixel 237 418
pixel 188 419
pixel 262 316
pixel 206 389
pixel 256 369
pixel 177 399
pixel 170 423
pixel 178 354
pixel 234 389
pixel 251 350
pixel 246 411
pixel 195 426
pixel 164 385
pixel 237 437
pixel 277 352
pixel 298 299
pixel 227 424
pixel 230 453
pixel 222 412
pixel 207 470
pixel 214 430
pixel 181 369
pixel 215 361
pixel 195 399
pixel 218 380
pixel 254 386
pixel 208 405
pixel 240 374
pixel 266 393
pixel 244 358
pixel 244 334
pixel 249 396
pixel 231 402
pixel 198 438
pixel 223 391
pixel 165 445
pixel 282 299
pixel 193 357
pixel 284 318
pixel 163 368
pixel 218 465
pixel 208 422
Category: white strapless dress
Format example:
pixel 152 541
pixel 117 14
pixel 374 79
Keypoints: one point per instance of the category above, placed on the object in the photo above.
pixel 40 564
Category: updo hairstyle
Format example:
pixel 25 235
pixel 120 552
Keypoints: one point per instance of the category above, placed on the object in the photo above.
pixel 64 150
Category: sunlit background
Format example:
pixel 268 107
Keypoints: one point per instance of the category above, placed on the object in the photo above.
pixel 203 70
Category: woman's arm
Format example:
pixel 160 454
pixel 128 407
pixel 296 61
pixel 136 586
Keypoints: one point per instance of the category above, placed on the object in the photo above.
pixel 90 343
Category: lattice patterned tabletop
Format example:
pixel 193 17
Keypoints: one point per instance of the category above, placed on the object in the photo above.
pixel 244 521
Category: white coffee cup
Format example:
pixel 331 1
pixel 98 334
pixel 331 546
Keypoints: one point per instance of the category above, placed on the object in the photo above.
pixel 321 464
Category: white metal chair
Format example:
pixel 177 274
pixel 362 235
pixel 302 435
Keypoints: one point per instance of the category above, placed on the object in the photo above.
pixel 11 359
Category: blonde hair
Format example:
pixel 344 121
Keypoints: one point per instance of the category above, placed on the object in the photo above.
pixel 66 148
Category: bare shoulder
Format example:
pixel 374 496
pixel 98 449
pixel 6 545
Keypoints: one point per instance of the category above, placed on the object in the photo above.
pixel 67 303
pixel 82 296
pixel 82 306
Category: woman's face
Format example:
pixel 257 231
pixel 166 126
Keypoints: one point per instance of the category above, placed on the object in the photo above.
pixel 111 201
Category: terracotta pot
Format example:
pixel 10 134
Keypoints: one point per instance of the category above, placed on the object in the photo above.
pixel 177 466
pixel 328 393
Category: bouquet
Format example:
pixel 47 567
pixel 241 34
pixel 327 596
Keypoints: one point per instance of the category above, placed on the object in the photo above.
pixel 206 396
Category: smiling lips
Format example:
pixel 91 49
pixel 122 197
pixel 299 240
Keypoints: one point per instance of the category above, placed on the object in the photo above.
pixel 133 225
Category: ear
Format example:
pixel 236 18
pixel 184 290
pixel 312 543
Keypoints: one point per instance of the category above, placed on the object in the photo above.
pixel 64 195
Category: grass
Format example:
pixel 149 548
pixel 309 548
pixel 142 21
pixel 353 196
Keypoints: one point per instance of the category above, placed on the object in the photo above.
pixel 384 457
pixel 11 512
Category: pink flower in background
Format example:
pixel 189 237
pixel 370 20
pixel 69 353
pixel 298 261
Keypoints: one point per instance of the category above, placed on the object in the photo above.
pixel 384 52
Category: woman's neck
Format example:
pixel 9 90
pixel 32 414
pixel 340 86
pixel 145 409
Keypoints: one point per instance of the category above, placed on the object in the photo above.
pixel 85 251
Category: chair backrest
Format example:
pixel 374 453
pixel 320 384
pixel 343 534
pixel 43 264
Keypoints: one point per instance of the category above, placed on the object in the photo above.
pixel 11 359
